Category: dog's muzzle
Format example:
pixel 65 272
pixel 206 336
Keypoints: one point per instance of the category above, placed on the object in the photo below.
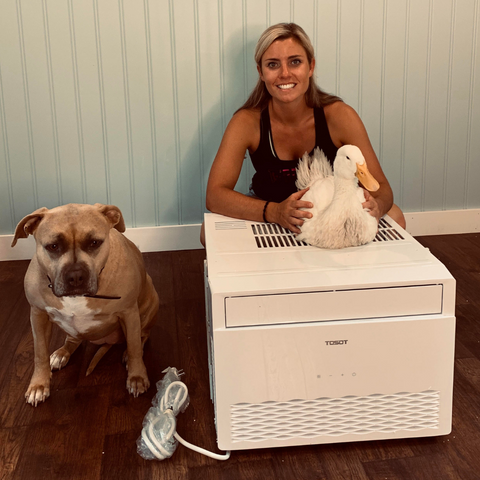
pixel 75 280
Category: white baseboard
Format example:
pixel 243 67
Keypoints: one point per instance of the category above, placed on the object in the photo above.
pixel 186 237
pixel 147 239
pixel 443 222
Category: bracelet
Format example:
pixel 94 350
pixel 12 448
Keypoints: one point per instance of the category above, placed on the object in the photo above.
pixel 264 211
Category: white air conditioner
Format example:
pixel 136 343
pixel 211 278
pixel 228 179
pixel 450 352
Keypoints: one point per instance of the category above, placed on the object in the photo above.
pixel 310 346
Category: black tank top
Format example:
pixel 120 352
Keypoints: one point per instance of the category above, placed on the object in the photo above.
pixel 274 179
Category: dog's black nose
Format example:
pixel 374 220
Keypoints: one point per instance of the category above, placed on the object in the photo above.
pixel 76 276
pixel 75 280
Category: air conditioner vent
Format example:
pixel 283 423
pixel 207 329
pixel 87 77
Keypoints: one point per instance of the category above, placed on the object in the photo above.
pixel 387 233
pixel 335 416
pixel 271 235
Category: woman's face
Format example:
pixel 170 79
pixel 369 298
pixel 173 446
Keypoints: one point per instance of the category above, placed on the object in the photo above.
pixel 285 70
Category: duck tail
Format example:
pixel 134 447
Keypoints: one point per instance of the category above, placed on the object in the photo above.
pixel 311 168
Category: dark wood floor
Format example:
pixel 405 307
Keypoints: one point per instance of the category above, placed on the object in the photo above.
pixel 88 428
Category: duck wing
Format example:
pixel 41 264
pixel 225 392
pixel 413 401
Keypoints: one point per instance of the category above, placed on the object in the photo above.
pixel 321 193
pixel 312 168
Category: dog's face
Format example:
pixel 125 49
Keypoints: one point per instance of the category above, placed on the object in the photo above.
pixel 72 244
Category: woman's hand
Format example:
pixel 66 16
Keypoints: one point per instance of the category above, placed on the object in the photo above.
pixel 371 205
pixel 288 213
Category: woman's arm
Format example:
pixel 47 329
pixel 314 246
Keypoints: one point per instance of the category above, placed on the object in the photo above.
pixel 242 134
pixel 346 128
pixel 239 136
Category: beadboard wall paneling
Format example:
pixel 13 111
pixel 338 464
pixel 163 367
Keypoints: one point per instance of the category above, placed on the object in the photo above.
pixel 126 101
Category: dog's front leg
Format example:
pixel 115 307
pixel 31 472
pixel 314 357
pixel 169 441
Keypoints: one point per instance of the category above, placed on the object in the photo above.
pixel 137 379
pixel 59 358
pixel 39 388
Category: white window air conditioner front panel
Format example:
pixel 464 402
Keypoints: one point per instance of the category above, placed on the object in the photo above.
pixel 309 346
pixel 333 382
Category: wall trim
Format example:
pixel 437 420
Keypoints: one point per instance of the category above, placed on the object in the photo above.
pixel 444 222
pixel 186 237
pixel 147 239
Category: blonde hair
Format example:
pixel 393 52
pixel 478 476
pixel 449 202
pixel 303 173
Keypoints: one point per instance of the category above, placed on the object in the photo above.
pixel 314 96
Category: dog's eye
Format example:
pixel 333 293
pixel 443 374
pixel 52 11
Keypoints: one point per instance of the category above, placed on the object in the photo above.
pixel 94 244
pixel 53 247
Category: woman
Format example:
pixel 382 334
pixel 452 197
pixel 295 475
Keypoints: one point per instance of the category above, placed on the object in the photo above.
pixel 285 116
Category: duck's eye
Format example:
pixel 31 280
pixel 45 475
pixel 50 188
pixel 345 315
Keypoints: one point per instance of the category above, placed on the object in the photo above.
pixel 348 158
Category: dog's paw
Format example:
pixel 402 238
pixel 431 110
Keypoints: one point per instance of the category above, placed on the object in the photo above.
pixel 37 394
pixel 59 358
pixel 137 384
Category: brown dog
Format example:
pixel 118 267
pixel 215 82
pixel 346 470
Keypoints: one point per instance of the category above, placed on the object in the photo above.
pixel 90 280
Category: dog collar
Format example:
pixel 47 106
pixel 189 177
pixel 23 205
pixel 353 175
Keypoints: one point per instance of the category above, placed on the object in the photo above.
pixel 104 297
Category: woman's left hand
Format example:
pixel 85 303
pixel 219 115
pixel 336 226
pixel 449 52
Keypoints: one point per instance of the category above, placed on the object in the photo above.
pixel 371 205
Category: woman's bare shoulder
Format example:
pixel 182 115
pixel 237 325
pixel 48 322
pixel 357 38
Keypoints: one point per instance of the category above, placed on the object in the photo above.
pixel 343 123
pixel 244 129
pixel 339 112
pixel 247 117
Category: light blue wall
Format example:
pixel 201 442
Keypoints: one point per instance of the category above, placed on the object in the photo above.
pixel 125 101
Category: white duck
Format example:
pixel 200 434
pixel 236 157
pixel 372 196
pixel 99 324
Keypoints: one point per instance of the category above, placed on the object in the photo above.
pixel 338 220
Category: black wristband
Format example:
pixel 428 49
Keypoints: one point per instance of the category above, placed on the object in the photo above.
pixel 264 211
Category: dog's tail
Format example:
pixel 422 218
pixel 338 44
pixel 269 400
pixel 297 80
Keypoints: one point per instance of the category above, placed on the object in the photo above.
pixel 97 357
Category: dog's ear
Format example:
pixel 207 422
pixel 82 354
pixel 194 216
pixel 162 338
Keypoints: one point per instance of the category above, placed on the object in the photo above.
pixel 113 214
pixel 27 225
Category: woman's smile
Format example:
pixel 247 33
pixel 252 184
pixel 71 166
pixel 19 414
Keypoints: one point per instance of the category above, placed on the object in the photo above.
pixel 286 86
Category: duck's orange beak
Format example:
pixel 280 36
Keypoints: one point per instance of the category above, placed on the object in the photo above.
pixel 366 178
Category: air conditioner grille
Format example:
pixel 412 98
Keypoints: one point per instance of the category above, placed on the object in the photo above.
pixel 387 233
pixel 334 416
pixel 271 235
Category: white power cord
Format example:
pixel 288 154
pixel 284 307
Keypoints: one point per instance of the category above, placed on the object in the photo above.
pixel 201 450
pixel 159 438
